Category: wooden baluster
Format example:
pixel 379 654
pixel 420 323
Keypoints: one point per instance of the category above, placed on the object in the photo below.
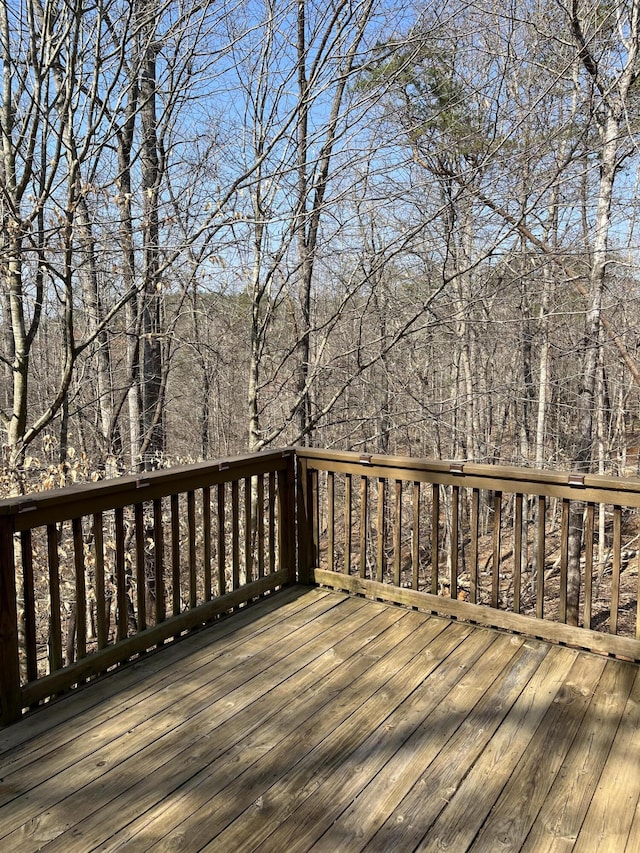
pixel 30 641
pixel 272 524
pixel 415 539
pixel 588 564
pixel 175 554
pixel 615 572
pixel 397 533
pixel 564 558
pixel 206 534
pixel 475 527
pixel 222 542
pixel 435 528
pixel 235 535
pixel 497 547
pixel 101 598
pixel 121 581
pixel 248 531
pixel 191 526
pixel 260 522
pixel 540 556
pixel 158 560
pixel 330 520
pixel 55 627
pixel 315 516
pixel 347 524
pixel 141 574
pixel 517 554
pixel 306 560
pixel 455 513
pixel 10 704
pixel 380 555
pixel 80 588
pixel 286 518
pixel 364 518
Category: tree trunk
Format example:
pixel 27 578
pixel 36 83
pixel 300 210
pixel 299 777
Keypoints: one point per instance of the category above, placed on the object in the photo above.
pixel 152 313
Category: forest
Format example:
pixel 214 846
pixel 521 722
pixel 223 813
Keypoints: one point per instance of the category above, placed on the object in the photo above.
pixel 362 224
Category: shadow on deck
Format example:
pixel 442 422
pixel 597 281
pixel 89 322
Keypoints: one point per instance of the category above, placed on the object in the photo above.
pixel 317 720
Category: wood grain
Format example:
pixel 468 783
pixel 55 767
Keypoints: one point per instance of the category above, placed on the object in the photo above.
pixel 318 720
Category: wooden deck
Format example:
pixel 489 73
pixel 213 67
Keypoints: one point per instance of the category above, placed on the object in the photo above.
pixel 314 720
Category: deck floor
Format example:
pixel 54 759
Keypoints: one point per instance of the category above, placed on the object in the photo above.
pixel 317 721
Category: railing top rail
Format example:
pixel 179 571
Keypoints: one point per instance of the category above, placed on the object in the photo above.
pixel 597 487
pixel 82 499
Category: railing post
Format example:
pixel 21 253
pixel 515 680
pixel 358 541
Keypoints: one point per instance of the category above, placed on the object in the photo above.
pixel 304 520
pixel 10 704
pixel 287 518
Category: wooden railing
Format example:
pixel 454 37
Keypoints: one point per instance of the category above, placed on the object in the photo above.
pixel 95 575
pixel 494 545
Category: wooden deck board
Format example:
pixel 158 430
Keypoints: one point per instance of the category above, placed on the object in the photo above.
pixel 148 739
pixel 560 818
pixel 219 795
pixel 312 720
pixel 465 812
pixel 330 783
pixel 91 708
pixel 442 765
pixel 180 686
pixel 611 811
pixel 238 737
